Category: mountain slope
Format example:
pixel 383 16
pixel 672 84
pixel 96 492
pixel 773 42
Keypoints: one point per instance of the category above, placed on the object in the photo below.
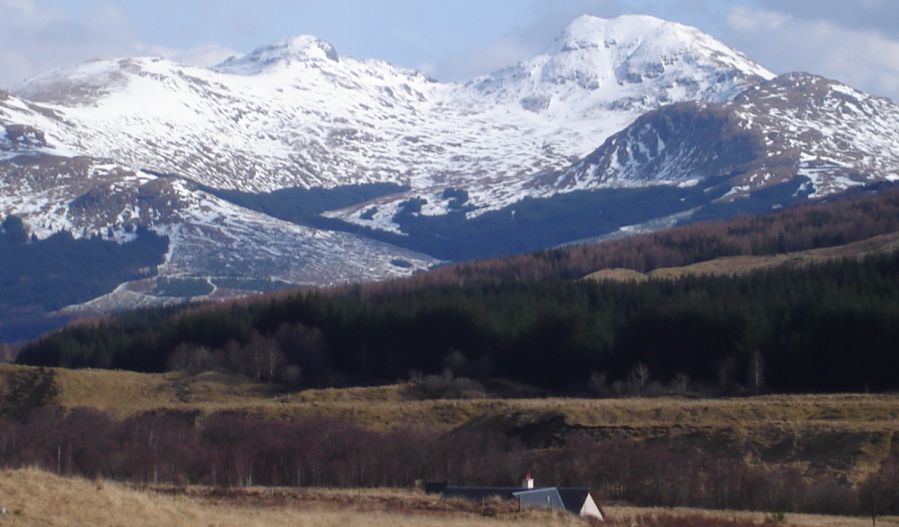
pixel 740 265
pixel 295 114
pixel 632 61
pixel 618 125
pixel 208 235
pixel 795 125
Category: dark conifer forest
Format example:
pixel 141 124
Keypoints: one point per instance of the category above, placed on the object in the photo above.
pixel 529 318
pixel 830 327
pixel 39 276
pixel 798 228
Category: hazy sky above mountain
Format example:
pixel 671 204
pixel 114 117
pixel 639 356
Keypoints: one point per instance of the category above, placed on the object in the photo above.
pixel 856 42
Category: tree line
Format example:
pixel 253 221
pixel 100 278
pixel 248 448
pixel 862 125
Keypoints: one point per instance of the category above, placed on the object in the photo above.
pixel 235 450
pixel 797 228
pixel 829 327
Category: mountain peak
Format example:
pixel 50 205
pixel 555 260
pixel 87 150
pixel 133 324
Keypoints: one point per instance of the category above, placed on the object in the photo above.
pixel 300 48
pixel 588 31
pixel 646 38
pixel 306 46
pixel 636 62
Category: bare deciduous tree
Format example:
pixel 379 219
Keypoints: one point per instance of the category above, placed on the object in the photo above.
pixel 757 371
pixel 598 382
pixel 639 377
pixel 726 373
pixel 681 383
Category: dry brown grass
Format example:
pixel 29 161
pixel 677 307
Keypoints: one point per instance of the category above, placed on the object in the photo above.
pixel 737 265
pixel 792 520
pixel 36 498
pixel 838 435
pixel 127 393
pixel 618 274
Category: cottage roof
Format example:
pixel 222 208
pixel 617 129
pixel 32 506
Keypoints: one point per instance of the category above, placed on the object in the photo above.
pixel 578 500
pixel 547 497
pixel 574 497
pixel 476 493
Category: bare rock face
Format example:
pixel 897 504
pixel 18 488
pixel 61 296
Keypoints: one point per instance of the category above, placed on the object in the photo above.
pixel 834 135
pixel 22 137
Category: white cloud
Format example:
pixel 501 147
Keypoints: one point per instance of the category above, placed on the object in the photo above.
pixel 865 59
pixel 522 42
pixel 827 37
pixel 203 55
pixel 35 37
pixel 745 19
pixel 782 36
pixel 501 53
pixel 427 68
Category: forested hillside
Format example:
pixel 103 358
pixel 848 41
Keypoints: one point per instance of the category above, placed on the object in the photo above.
pixel 798 228
pixel 39 276
pixel 829 327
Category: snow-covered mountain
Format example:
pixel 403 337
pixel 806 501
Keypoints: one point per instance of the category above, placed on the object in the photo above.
pixel 796 124
pixel 632 62
pixel 295 114
pixel 101 146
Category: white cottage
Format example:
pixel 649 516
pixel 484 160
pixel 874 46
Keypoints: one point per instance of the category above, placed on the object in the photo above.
pixel 577 500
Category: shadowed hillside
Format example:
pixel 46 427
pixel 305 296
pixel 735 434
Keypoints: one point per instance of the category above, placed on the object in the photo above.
pixel 799 228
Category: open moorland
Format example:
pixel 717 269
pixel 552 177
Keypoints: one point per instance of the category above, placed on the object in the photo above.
pixel 37 498
pixel 124 393
pixel 834 435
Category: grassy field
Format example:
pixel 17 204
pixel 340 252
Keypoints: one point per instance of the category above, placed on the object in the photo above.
pixel 737 265
pixel 830 435
pixel 36 498
pixel 125 393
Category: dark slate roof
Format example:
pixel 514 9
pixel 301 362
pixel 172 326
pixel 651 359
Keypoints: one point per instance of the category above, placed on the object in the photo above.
pixel 547 498
pixel 435 487
pixel 568 498
pixel 574 497
pixel 477 493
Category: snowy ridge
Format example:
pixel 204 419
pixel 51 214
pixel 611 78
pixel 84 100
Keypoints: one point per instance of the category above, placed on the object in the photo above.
pixel 831 133
pixel 208 236
pixel 793 125
pixel 81 148
pixel 633 62
pixel 294 114
pixel 305 48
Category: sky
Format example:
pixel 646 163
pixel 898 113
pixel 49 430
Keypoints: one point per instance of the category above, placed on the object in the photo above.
pixel 855 41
